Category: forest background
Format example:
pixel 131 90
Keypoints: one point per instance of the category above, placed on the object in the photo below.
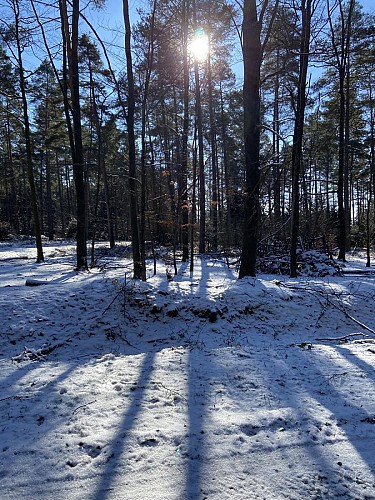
pixel 120 130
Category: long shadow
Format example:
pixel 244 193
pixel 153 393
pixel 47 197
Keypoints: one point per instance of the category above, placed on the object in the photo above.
pixel 304 377
pixel 207 267
pixel 197 408
pixel 304 420
pixel 31 404
pixel 22 371
pixel 352 358
pixel 27 414
pixel 331 399
pixel 108 476
pixel 7 383
pixel 254 370
pixel 200 373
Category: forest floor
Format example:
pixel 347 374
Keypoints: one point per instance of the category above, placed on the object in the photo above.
pixel 200 387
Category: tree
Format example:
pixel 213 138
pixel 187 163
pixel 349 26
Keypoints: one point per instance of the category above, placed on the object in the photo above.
pixel 306 13
pixel 279 82
pixel 70 36
pixel 14 35
pixel 340 42
pixel 184 207
pixel 200 155
pixel 10 133
pixel 149 60
pixel 49 139
pixel 251 98
pixel 139 265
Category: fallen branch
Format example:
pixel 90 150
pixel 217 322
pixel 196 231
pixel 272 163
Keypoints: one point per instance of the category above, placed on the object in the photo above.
pixel 6 259
pixel 35 355
pixel 15 397
pixel 33 282
pixel 112 301
pixel 345 337
pixel 359 272
pixel 337 375
pixel 322 292
pixel 356 321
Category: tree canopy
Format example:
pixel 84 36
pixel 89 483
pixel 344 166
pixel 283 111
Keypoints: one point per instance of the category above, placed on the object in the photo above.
pixel 206 126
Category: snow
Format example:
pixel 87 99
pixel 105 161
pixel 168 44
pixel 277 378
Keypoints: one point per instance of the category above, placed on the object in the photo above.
pixel 203 387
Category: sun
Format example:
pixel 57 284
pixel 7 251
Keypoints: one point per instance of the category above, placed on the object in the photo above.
pixel 199 47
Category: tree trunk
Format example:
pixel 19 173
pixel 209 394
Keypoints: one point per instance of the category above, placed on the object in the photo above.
pixel 251 97
pixel 298 131
pixel 276 146
pixel 193 202
pixel 139 265
pixel 371 196
pixel 199 130
pixel 214 167
pixel 227 187
pixel 70 56
pixel 341 49
pixel 340 183
pixel 78 165
pixel 184 167
pixel 13 211
pixel 150 59
pixel 26 124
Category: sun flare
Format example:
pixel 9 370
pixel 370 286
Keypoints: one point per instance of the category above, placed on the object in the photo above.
pixel 199 47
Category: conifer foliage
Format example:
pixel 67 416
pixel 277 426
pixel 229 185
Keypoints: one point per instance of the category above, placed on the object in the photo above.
pixel 238 127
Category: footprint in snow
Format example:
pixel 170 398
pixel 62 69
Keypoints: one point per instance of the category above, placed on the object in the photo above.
pixel 91 450
pixel 149 442
pixel 249 430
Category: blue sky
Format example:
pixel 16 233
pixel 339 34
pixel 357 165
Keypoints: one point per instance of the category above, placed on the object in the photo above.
pixel 115 6
pixel 112 16
pixel 368 5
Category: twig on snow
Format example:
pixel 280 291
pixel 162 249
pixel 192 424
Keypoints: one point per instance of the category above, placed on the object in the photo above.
pixel 345 337
pixel 17 396
pixel 83 406
pixel 356 321
pixel 349 316
pixel 35 355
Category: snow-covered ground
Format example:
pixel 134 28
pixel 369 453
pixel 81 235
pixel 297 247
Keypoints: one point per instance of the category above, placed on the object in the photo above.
pixel 203 387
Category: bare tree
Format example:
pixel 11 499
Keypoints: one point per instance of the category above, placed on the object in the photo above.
pixel 200 157
pixel 145 96
pixel 184 167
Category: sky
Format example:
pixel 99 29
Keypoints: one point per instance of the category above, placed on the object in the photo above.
pixel 112 18
pixel 368 5
pixel 109 24
pixel 115 7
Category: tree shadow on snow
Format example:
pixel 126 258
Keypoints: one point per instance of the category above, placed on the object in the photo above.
pixel 115 466
pixel 317 389
pixel 253 383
